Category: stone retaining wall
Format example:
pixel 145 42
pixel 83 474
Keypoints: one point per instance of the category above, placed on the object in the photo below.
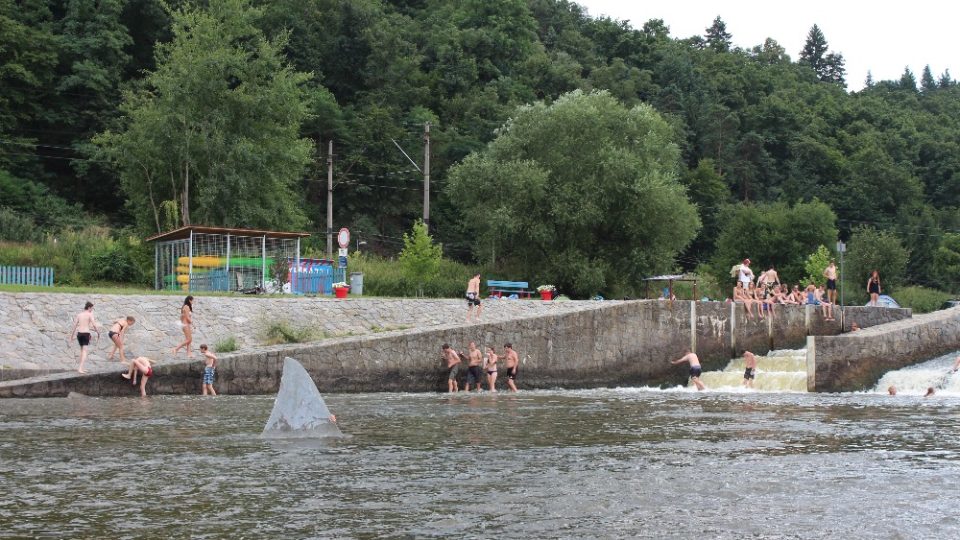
pixel 599 344
pixel 37 325
pixel 857 360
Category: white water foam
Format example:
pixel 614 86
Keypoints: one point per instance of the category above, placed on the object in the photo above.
pixel 777 371
pixel 915 380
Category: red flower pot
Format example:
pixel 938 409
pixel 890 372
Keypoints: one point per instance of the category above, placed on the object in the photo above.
pixel 341 292
pixel 546 295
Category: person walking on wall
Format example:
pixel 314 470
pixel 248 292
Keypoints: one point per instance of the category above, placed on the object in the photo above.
pixel 117 333
pixel 84 322
pixel 186 324
pixel 873 287
pixel 473 297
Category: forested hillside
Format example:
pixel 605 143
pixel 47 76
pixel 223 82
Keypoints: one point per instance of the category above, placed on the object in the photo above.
pixel 142 115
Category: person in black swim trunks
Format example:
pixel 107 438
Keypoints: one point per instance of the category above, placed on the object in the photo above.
pixel 118 330
pixel 511 361
pixel 695 370
pixel 750 363
pixel 473 297
pixel 81 328
pixel 830 272
pixel 452 359
pixel 474 367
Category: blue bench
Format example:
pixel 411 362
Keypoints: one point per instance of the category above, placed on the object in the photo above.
pixel 499 288
pixel 26 275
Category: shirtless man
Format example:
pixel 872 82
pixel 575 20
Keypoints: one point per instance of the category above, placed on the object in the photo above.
pixel 830 272
pixel 474 367
pixel 749 362
pixel 695 370
pixel 770 278
pixel 453 365
pixel 473 297
pixel 510 363
pixel 81 328
pixel 746 274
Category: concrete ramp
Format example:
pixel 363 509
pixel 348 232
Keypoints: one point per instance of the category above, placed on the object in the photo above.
pixel 857 360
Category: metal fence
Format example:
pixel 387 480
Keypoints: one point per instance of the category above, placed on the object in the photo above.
pixel 225 262
pixel 26 275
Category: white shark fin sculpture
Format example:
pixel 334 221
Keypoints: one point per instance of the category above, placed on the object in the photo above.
pixel 299 410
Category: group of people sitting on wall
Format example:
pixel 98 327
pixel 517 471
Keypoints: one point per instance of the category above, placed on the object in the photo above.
pixel 762 297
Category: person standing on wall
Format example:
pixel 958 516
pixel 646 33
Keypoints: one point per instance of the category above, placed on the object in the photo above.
pixel 186 324
pixel 473 297
pixel 745 274
pixel 830 272
pixel 873 287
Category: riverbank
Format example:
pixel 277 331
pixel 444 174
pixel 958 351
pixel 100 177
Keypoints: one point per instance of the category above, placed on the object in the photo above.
pixel 561 345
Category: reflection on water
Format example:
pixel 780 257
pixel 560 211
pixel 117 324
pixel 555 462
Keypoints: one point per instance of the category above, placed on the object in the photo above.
pixel 620 463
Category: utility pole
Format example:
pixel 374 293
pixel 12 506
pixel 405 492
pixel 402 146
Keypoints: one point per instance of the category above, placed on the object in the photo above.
pixel 330 200
pixel 426 175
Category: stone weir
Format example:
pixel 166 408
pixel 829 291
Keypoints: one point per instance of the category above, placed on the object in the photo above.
pixel 601 344
pixel 857 360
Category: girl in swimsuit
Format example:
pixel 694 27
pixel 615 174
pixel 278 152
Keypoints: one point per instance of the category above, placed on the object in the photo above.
pixel 755 298
pixel 186 322
pixel 491 366
pixel 873 287
pixel 740 295
pixel 116 334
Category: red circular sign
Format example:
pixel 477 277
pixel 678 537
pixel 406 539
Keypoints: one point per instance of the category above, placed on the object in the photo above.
pixel 344 237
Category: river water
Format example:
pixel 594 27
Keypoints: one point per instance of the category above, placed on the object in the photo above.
pixel 615 463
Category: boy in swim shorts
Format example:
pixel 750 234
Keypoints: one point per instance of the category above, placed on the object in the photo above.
pixel 695 369
pixel 750 373
pixel 209 370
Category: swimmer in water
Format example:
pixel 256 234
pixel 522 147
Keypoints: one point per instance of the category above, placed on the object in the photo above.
pixel 892 390
pixel 930 392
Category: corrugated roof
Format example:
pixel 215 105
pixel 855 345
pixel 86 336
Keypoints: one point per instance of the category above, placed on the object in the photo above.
pixel 674 277
pixel 184 232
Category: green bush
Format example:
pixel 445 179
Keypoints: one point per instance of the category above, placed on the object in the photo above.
pixel 385 277
pixel 920 299
pixel 17 228
pixel 226 345
pixel 84 257
pixel 279 332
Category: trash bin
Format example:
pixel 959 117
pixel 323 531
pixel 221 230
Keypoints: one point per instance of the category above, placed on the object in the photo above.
pixel 356 283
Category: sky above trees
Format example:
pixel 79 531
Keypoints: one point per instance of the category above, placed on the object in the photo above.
pixel 882 38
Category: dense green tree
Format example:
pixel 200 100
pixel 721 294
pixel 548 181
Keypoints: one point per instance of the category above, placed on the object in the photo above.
pixel 215 130
pixel 947 263
pixel 872 249
pixel 420 258
pixel 927 82
pixel 28 60
pixel 828 66
pixel 772 234
pixel 716 37
pixel 582 193
pixel 907 80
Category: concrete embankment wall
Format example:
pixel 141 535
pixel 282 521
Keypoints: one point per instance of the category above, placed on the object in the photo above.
pixel 37 325
pixel 857 360
pixel 600 344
